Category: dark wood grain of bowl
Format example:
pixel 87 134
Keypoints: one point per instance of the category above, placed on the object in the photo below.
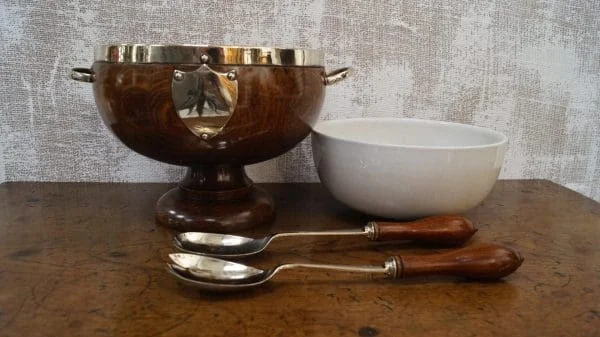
pixel 275 109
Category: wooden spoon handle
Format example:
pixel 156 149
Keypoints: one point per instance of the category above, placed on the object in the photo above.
pixel 442 229
pixel 482 261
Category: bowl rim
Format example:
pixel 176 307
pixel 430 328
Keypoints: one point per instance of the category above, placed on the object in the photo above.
pixel 209 54
pixel 504 138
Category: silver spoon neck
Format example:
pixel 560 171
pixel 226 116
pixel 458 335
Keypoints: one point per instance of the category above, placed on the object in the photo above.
pixel 342 232
pixel 336 267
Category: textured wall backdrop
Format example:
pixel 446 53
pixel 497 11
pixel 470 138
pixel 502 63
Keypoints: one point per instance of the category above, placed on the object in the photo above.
pixel 530 69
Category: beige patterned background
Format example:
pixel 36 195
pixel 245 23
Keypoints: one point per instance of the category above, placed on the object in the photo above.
pixel 530 69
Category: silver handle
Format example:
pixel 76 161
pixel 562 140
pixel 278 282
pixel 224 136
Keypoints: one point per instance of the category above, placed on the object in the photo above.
pixel 335 76
pixel 83 75
pixel 342 232
pixel 337 267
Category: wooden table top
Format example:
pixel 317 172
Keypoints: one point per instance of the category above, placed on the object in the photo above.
pixel 88 260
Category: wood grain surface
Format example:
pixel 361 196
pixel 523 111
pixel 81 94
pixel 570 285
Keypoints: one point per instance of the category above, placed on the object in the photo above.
pixel 88 260
pixel 275 110
pixel 439 230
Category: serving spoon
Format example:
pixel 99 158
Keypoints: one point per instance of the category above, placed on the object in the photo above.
pixel 483 262
pixel 441 230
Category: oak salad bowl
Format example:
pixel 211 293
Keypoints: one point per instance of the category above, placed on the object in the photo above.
pixel 213 109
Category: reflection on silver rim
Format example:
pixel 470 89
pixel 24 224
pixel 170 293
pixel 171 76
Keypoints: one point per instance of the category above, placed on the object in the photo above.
pixel 142 53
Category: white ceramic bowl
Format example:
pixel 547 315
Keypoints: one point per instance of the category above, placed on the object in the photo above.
pixel 407 168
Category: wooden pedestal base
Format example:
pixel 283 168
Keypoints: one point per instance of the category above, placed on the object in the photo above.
pixel 217 199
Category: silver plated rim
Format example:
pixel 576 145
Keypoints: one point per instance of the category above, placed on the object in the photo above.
pixel 153 53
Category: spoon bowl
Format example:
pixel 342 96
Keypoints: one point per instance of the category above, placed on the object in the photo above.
pixel 215 244
pixel 183 276
pixel 215 270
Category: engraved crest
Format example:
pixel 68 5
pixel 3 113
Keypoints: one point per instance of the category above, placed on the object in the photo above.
pixel 204 99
